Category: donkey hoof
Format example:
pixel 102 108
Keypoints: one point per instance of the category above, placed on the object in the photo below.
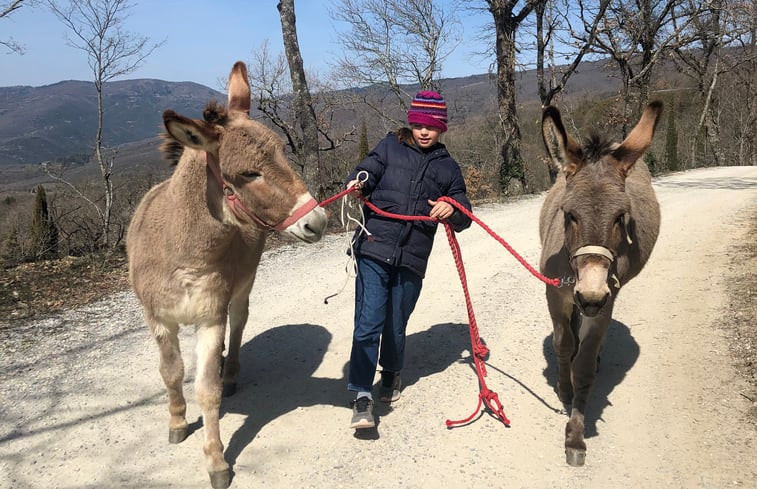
pixel 229 389
pixel 575 457
pixel 177 435
pixel 220 479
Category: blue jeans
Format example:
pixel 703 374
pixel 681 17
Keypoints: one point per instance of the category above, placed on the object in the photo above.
pixel 384 298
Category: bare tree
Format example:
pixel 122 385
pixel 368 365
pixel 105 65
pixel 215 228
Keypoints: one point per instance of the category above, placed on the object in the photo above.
pixel 743 16
pixel 96 28
pixel 636 35
pixel 553 29
pixel 6 9
pixel 395 43
pixel 269 86
pixel 271 89
pixel 703 65
pixel 708 50
pixel 551 19
pixel 303 102
pixel 512 177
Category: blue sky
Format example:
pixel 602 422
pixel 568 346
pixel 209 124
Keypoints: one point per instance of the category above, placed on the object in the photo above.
pixel 203 38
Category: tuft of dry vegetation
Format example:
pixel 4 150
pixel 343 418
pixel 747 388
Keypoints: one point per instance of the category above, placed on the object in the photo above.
pixel 38 289
pixel 740 319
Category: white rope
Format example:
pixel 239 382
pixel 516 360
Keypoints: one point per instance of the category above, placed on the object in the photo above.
pixel 347 208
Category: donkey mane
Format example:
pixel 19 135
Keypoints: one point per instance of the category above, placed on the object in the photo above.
pixel 215 113
pixel 170 149
pixel 595 147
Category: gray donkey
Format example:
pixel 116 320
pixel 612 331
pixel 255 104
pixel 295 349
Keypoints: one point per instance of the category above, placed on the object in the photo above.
pixel 598 224
pixel 195 242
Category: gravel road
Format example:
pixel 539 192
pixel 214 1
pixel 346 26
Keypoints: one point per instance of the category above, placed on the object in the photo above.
pixel 83 405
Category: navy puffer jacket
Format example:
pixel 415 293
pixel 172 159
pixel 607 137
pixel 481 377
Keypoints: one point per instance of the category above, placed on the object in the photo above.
pixel 401 180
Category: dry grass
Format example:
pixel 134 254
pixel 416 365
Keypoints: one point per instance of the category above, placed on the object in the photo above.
pixel 33 290
pixel 741 315
pixel 39 289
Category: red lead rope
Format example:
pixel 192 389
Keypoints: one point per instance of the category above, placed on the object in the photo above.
pixel 479 350
pixel 556 282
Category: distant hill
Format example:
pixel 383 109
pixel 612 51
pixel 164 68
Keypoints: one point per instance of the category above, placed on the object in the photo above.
pixel 592 78
pixel 60 120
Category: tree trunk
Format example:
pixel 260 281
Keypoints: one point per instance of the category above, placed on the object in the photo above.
pixel 512 178
pixel 705 126
pixel 712 130
pixel 626 103
pixel 305 113
pixel 541 46
pixel 650 27
pixel 106 169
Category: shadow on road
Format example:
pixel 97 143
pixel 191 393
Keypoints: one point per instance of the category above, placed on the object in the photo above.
pixel 277 374
pixel 619 353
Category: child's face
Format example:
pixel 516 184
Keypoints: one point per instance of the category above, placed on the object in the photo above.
pixel 425 136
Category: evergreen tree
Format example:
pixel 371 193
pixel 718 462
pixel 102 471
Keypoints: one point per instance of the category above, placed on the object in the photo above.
pixel 44 232
pixel 12 251
pixel 671 143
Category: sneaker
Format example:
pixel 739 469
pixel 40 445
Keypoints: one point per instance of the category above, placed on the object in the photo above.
pixel 389 390
pixel 362 413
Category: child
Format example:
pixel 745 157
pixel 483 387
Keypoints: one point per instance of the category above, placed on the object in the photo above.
pixel 407 173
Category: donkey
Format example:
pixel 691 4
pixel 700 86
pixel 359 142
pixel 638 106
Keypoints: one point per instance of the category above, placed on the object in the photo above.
pixel 598 225
pixel 195 242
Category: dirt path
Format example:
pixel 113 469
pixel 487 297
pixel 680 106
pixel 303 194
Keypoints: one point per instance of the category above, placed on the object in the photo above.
pixel 86 408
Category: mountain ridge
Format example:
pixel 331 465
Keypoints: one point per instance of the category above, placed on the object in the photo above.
pixel 57 122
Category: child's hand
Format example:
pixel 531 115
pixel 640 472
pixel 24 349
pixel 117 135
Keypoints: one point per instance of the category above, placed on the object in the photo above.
pixel 440 210
pixel 356 192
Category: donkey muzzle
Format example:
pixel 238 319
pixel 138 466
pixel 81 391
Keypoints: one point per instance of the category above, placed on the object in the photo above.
pixel 592 267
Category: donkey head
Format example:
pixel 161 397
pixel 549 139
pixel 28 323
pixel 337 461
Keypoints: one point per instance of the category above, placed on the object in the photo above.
pixel 596 207
pixel 251 174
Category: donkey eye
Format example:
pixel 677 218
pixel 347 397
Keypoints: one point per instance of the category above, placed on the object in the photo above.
pixel 250 175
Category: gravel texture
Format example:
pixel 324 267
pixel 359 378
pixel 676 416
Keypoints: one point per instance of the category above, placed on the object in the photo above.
pixel 82 404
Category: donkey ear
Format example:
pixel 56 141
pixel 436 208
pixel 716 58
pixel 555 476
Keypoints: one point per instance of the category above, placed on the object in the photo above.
pixel 191 133
pixel 563 150
pixel 239 88
pixel 640 138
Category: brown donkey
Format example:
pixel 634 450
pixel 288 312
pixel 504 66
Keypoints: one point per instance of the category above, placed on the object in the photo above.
pixel 195 242
pixel 598 224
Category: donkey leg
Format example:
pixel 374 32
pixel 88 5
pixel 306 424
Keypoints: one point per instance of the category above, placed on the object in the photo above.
pixel 172 371
pixel 584 371
pixel 238 313
pixel 208 393
pixel 563 342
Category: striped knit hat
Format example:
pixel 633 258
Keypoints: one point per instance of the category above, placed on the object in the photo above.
pixel 428 109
